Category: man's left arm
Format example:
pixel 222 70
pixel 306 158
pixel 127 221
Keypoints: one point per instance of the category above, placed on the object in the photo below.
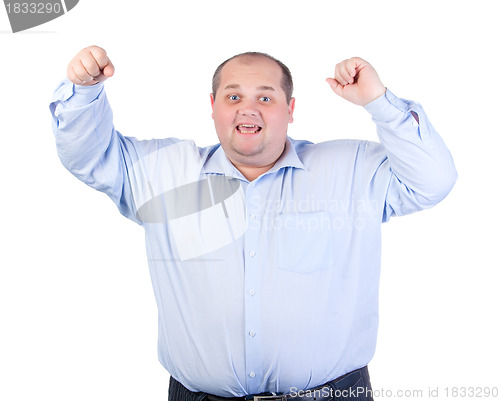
pixel 420 168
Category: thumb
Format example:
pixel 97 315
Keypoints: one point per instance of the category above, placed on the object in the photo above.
pixel 336 86
pixel 107 72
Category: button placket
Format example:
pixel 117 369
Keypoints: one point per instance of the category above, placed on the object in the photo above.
pixel 253 357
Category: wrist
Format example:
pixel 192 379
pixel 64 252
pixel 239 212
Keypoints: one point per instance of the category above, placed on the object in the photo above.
pixel 386 107
pixel 376 95
pixel 83 95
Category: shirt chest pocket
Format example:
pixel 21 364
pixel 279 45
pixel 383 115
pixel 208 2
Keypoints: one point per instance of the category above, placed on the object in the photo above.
pixel 305 241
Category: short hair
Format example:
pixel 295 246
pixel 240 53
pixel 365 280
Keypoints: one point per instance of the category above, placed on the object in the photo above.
pixel 286 79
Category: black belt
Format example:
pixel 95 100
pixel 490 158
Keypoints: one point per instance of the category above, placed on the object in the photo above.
pixel 321 393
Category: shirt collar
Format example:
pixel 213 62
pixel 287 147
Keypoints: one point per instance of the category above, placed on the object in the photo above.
pixel 218 163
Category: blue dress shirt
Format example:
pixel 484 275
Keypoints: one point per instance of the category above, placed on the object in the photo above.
pixel 265 285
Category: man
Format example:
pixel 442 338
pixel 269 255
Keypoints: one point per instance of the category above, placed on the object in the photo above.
pixel 264 251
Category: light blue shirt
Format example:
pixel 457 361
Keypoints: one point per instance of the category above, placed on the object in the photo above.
pixel 265 285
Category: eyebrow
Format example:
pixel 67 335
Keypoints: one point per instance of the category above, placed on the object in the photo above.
pixel 262 87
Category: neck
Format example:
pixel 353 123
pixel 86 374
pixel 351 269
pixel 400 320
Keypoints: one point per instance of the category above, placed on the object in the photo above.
pixel 252 172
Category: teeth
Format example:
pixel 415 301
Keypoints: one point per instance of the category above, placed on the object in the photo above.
pixel 252 128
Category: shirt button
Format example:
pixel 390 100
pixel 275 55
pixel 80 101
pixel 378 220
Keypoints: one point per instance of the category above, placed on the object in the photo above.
pixel 251 374
pixel 253 217
pixel 251 292
pixel 251 333
pixel 252 253
pixel 415 124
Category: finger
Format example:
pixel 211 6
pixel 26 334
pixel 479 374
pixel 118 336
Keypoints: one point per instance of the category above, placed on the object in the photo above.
pixel 72 76
pixel 352 66
pixel 345 74
pixel 90 65
pixel 338 75
pixel 100 56
pixel 106 67
pixel 80 72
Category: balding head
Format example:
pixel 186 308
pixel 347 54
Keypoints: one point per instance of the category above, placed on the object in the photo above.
pixel 249 58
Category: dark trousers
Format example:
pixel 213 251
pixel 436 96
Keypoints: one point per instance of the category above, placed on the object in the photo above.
pixel 354 386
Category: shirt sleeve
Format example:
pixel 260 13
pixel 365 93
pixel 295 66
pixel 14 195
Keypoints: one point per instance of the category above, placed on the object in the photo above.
pixel 416 166
pixel 88 144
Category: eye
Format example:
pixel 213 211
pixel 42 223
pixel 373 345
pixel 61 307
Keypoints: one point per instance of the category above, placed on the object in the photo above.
pixel 234 97
pixel 265 99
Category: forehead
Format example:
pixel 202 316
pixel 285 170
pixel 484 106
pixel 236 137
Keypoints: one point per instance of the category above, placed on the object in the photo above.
pixel 250 69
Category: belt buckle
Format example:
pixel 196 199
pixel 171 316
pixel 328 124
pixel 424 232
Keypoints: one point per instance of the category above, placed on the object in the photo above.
pixel 269 397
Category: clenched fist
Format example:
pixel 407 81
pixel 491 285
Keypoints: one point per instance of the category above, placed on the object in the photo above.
pixel 90 66
pixel 356 81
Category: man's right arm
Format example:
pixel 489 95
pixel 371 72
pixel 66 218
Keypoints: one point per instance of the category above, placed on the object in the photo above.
pixel 87 142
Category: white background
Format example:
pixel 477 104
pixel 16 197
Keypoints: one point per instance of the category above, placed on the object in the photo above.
pixel 77 312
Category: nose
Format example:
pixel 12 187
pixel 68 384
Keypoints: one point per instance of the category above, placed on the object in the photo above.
pixel 248 107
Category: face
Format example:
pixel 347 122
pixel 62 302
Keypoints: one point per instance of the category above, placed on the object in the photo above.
pixel 250 112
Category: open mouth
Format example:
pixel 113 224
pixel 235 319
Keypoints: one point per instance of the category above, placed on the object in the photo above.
pixel 248 128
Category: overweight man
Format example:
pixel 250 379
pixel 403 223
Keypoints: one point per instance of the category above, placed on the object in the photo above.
pixel 264 251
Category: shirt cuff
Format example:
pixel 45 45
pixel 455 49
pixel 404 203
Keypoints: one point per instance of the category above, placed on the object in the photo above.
pixel 386 107
pixel 77 95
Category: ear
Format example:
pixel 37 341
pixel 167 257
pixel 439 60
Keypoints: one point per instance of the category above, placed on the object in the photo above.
pixel 291 108
pixel 212 101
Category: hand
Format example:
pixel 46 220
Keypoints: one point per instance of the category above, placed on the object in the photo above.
pixel 356 81
pixel 90 66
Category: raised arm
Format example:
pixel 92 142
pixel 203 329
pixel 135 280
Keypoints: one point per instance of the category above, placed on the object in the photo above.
pixel 411 163
pixel 87 142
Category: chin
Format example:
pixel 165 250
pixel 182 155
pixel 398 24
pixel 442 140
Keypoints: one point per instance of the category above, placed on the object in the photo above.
pixel 248 151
